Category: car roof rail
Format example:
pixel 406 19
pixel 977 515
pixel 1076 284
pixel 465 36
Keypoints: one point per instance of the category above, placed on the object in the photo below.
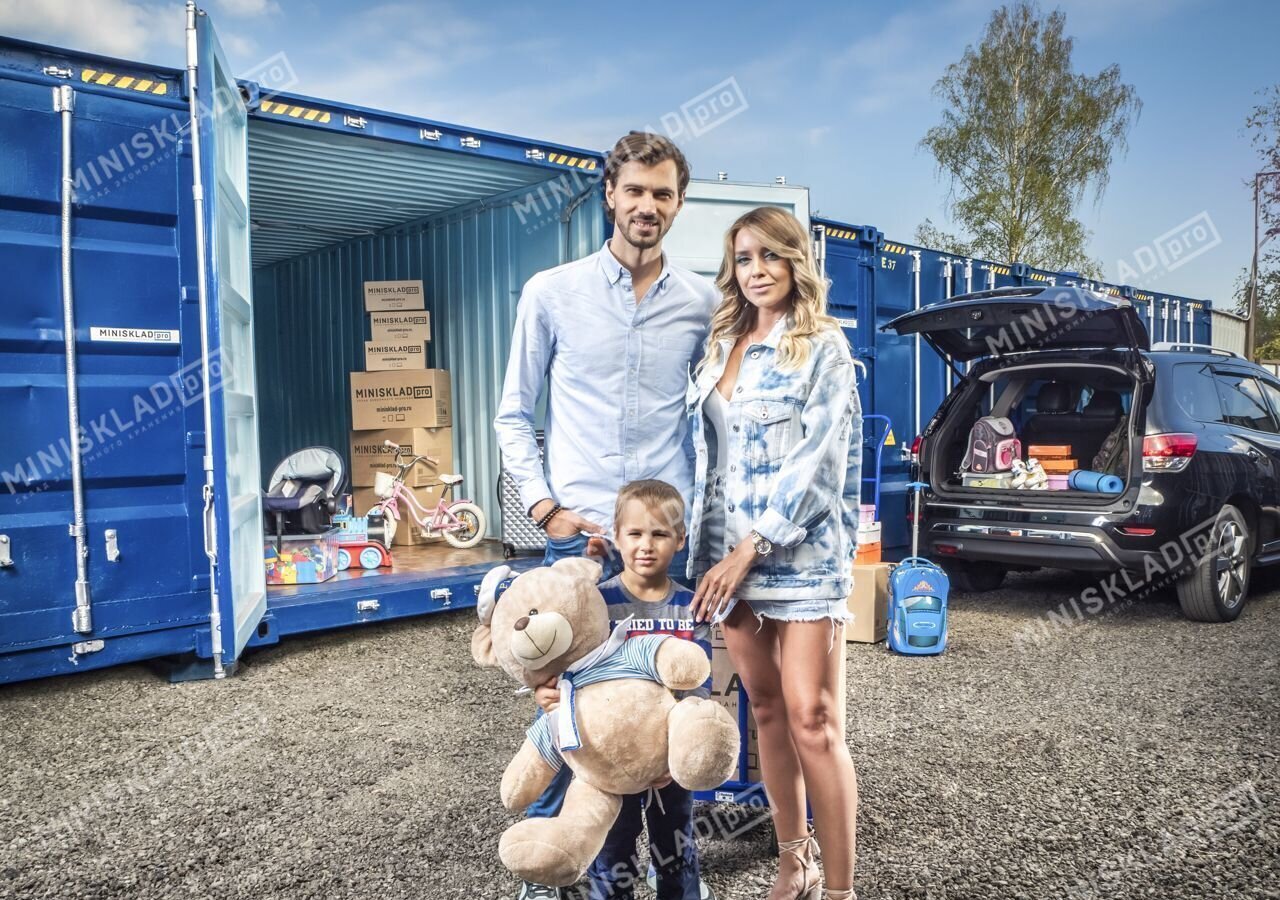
pixel 1195 348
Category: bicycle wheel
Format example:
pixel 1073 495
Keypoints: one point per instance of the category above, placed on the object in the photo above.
pixel 473 526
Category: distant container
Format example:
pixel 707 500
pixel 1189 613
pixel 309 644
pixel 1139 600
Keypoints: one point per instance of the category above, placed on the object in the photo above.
pixel 1228 331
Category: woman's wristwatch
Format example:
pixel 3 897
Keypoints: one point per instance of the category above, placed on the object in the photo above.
pixel 763 545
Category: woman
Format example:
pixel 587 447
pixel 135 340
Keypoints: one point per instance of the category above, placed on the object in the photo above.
pixel 777 426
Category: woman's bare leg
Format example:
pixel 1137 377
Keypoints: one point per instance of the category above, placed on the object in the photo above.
pixel 756 658
pixel 812 671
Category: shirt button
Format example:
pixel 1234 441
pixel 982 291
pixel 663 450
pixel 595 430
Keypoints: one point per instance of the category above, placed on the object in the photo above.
pixel 736 428
pixel 730 507
pixel 733 468
pixel 737 390
pixel 755 354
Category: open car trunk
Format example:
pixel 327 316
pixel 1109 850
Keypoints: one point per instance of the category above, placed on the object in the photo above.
pixel 1075 414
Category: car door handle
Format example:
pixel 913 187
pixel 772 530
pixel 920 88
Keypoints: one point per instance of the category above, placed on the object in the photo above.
pixel 1254 453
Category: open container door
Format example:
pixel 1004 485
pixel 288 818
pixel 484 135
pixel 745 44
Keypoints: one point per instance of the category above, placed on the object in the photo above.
pixel 233 514
pixel 696 240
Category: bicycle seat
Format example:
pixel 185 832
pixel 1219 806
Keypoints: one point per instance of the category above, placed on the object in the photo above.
pixel 450 479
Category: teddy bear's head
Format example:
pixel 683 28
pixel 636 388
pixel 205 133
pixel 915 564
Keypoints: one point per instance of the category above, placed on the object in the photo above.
pixel 545 620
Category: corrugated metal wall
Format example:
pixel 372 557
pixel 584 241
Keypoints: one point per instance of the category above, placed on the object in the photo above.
pixel 311 324
pixel 1227 331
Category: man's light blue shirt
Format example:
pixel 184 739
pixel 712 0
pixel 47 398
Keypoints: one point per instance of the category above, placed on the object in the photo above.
pixel 616 371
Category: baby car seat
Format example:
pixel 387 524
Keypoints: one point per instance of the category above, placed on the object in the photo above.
pixel 302 495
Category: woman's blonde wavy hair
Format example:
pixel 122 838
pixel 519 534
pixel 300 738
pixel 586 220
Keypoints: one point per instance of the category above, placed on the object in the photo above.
pixel 782 233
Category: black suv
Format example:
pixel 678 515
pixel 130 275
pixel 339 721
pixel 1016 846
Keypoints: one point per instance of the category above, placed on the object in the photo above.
pixel 1192 435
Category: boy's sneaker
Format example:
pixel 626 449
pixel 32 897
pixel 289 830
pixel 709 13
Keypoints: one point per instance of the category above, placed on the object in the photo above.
pixel 704 889
pixel 531 891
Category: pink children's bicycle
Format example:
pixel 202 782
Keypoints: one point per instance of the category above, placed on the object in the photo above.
pixel 460 522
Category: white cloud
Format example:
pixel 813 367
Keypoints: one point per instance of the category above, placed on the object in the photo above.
pixel 125 28
pixel 248 7
pixel 816 135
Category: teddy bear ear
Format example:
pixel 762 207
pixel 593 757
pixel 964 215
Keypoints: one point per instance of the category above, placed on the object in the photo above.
pixel 482 647
pixel 491 587
pixel 579 567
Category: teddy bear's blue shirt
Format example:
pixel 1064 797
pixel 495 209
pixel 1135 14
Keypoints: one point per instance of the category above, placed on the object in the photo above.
pixel 636 658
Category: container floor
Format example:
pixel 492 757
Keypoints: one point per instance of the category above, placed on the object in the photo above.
pixel 427 579
pixel 416 563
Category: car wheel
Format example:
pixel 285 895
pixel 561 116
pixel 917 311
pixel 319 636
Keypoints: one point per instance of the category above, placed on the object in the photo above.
pixel 974 578
pixel 1216 587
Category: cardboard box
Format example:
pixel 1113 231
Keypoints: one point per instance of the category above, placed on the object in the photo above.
pixel 1058 466
pixel 394 357
pixel 869 603
pixel 987 479
pixel 408 534
pixel 867 554
pixel 416 398
pixel 400 327
pixel 389 296
pixel 726 689
pixel 370 454
pixel 1049 451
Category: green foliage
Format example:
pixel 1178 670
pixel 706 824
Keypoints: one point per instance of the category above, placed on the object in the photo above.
pixel 1263 125
pixel 1024 139
pixel 933 237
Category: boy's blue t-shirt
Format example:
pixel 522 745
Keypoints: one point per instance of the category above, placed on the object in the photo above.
pixel 670 616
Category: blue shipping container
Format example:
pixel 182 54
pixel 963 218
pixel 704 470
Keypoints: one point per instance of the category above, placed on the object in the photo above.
pixel 232 254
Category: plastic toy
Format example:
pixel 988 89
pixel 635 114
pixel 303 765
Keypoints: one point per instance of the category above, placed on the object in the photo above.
pixel 362 539
pixel 918 599
pixel 460 522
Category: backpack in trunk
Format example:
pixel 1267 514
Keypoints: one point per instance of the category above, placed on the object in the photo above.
pixel 993 446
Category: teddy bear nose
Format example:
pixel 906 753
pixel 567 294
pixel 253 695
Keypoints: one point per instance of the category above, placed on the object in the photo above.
pixel 522 623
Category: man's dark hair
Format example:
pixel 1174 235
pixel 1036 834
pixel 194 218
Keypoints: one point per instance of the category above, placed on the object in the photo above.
pixel 648 149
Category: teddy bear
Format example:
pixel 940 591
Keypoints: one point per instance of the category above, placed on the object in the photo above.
pixel 618 725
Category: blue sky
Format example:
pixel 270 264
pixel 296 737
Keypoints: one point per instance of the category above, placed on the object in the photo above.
pixel 837 95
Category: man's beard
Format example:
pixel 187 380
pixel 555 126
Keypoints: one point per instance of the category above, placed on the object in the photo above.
pixel 644 241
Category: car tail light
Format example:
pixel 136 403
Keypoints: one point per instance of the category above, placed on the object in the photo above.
pixel 1136 530
pixel 1167 452
pixel 946 549
pixel 915 448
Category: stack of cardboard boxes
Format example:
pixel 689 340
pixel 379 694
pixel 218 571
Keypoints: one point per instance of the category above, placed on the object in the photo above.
pixel 398 399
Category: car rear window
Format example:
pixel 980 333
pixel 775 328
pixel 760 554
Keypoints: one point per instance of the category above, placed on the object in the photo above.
pixel 1242 402
pixel 1195 392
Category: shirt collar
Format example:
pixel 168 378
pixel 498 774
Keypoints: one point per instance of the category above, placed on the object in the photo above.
pixel 774 337
pixel 614 270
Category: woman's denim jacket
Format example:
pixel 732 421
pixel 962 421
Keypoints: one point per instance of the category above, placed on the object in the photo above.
pixel 794 468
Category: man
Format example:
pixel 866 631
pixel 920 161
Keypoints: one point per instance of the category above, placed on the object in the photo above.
pixel 612 337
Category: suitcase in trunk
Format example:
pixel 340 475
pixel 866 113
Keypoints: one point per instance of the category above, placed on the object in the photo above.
pixel 519 534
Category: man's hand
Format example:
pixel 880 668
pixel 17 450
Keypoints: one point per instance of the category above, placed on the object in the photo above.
pixel 565 523
pixel 547 695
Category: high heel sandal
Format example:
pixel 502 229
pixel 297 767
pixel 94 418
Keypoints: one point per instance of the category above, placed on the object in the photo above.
pixel 803 849
pixel 839 895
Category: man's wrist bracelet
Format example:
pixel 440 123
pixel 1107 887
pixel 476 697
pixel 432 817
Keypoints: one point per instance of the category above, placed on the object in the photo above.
pixel 542 523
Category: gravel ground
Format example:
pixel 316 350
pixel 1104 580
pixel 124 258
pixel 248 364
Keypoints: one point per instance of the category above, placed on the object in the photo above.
pixel 1132 754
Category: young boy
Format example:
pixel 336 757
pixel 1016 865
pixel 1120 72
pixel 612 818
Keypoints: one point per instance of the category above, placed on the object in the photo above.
pixel 649 527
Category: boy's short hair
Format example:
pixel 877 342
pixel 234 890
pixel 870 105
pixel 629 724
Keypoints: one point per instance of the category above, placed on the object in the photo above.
pixel 661 500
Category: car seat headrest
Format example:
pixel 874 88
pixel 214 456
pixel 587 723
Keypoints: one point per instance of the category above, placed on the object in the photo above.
pixel 1104 405
pixel 1056 397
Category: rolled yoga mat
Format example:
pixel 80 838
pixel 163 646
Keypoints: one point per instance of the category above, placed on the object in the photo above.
pixel 1095 482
